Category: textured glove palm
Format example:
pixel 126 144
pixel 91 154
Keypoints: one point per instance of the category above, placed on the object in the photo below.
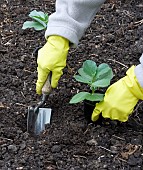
pixel 51 58
pixel 120 98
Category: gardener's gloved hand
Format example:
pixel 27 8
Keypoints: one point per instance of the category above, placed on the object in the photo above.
pixel 51 58
pixel 120 98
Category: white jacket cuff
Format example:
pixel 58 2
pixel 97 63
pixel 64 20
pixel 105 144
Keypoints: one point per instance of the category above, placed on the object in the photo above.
pixel 71 18
pixel 139 71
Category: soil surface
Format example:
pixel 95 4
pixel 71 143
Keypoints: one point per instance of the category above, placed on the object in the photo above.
pixel 69 143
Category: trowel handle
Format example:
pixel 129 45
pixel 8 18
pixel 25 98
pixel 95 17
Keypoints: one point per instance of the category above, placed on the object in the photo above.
pixel 47 86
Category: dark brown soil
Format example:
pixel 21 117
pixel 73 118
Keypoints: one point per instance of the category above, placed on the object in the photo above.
pixel 69 143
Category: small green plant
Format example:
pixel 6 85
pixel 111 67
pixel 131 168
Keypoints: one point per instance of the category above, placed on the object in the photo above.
pixel 95 77
pixel 40 20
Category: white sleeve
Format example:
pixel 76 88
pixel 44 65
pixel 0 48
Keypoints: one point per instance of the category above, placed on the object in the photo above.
pixel 139 71
pixel 72 17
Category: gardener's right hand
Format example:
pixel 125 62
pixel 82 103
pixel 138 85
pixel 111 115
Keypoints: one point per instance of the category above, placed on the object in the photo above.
pixel 51 58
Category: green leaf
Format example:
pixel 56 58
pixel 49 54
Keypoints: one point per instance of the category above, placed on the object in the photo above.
pixel 102 68
pixel 39 14
pixel 104 71
pixel 101 83
pixel 33 24
pixel 79 97
pixel 84 75
pixel 40 21
pixel 81 79
pixel 46 17
pixel 90 67
pixel 40 17
pixel 95 97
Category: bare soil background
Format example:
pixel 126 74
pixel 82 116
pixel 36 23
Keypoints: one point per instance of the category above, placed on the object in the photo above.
pixel 69 143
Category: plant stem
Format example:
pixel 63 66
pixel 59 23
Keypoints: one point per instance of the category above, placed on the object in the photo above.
pixel 92 90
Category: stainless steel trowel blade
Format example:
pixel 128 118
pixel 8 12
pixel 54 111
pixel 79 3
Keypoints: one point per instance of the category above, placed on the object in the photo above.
pixel 43 118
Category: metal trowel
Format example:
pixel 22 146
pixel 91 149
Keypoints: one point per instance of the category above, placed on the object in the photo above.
pixel 39 116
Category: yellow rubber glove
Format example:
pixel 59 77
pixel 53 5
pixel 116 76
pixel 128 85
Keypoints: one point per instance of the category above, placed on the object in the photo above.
pixel 51 58
pixel 120 98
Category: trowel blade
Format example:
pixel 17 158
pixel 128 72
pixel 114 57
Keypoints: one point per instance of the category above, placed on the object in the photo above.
pixel 43 118
pixel 31 119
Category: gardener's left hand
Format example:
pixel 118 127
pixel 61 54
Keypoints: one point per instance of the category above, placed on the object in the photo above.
pixel 120 98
